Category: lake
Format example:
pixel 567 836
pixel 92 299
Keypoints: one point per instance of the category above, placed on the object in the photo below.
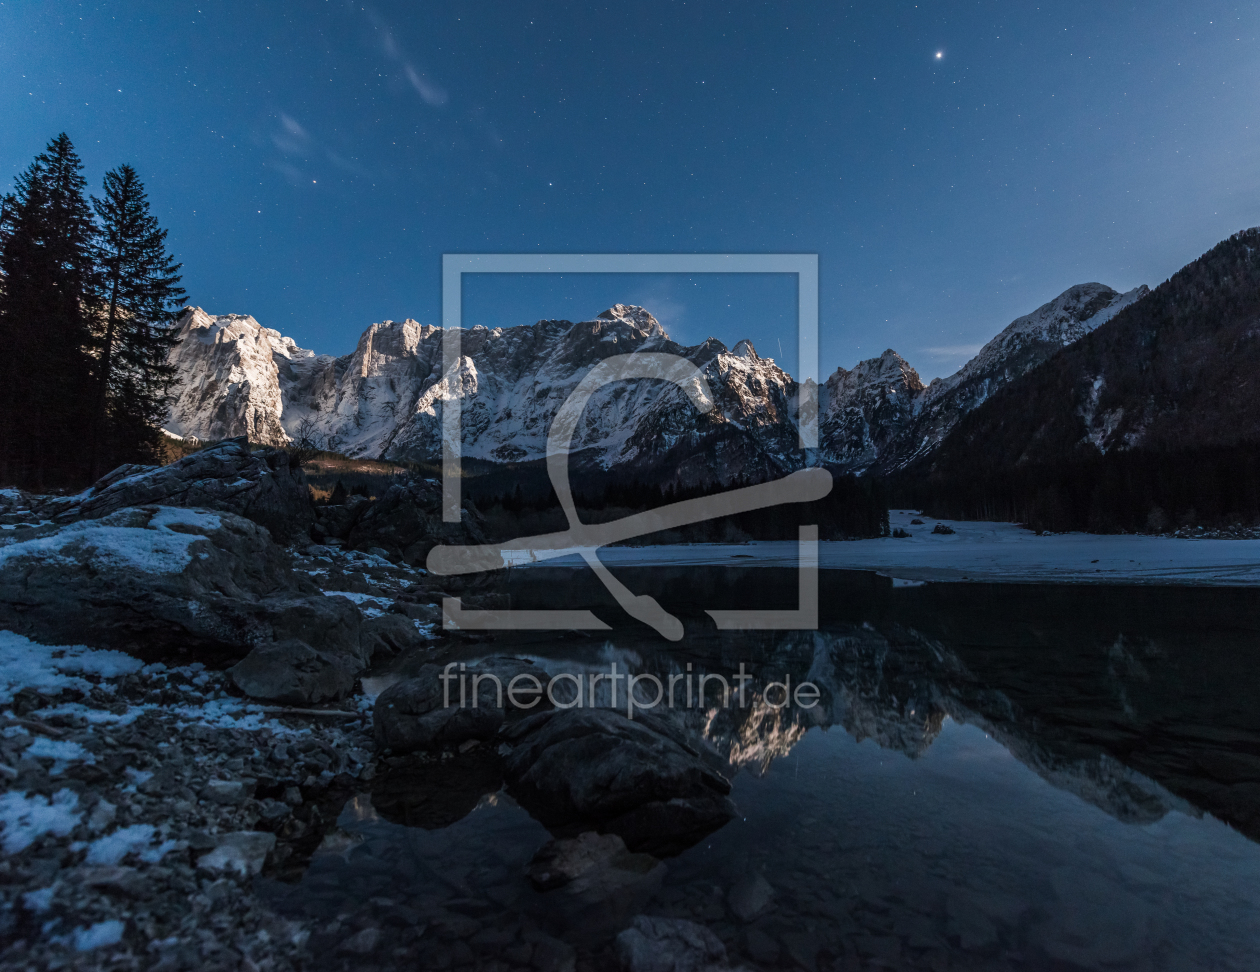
pixel 992 777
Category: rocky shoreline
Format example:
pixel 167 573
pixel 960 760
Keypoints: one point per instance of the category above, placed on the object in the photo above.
pixel 182 716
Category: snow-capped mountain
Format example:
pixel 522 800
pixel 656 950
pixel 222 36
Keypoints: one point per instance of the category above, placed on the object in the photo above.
pixel 385 399
pixel 880 416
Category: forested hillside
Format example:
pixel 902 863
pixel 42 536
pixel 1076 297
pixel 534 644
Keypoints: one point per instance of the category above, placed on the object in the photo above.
pixel 1150 421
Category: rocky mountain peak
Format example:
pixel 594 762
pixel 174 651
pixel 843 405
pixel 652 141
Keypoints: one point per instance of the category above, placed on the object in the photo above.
pixel 636 316
pixel 385 399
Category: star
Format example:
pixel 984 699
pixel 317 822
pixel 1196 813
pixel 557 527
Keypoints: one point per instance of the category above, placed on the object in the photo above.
pixel 939 55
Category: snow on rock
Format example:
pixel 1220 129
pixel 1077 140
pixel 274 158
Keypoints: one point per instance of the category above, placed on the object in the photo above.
pixel 25 818
pixel 51 668
pixel 112 848
pixel 231 367
pixel 169 583
pixel 155 544
pixel 101 934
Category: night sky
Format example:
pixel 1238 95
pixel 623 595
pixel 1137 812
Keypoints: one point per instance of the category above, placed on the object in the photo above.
pixel 953 164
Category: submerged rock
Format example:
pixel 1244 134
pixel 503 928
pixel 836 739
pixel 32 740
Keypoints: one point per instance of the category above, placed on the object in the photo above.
pixel 750 896
pixel 669 945
pixel 427 711
pixel 593 884
pixel 638 779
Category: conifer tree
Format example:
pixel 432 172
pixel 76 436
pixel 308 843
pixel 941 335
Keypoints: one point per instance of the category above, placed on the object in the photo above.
pixel 139 288
pixel 47 302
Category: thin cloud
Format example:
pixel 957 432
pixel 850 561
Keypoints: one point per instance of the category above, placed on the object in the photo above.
pixel 954 351
pixel 292 139
pixel 430 92
pixel 290 172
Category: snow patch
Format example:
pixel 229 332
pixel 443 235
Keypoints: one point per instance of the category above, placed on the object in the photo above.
pixel 115 542
pixel 98 936
pixel 25 819
pixel 52 668
pixel 114 847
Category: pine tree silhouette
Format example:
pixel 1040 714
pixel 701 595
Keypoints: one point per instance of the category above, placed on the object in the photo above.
pixel 48 289
pixel 139 286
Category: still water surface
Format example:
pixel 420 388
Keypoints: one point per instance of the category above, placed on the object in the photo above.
pixel 996 777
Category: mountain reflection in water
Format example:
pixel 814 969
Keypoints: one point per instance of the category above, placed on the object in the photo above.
pixel 995 777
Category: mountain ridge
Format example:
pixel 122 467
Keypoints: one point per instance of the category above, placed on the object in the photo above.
pixel 384 399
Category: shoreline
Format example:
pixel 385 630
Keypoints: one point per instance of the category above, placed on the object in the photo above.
pixel 978 552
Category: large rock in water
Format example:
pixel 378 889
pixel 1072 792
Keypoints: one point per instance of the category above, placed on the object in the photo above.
pixel 641 779
pixel 425 711
pixel 262 486
pixel 178 585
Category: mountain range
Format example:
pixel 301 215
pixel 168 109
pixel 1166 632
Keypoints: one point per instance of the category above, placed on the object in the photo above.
pixel 1149 422
pixel 384 400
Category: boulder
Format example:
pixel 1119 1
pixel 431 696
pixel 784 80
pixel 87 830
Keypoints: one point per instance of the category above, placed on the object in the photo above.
pixel 407 522
pixel 641 779
pixel 653 944
pixel 425 712
pixel 264 486
pixel 389 634
pixel 293 672
pixel 171 585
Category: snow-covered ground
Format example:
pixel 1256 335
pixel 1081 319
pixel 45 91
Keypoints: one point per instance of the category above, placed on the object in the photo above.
pixel 983 551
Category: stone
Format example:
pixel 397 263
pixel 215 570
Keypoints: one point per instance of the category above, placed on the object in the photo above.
pixel 762 947
pixel 361 943
pixel 407 522
pixel 973 928
pixel 882 948
pixel 550 954
pixel 669 945
pixel 750 897
pixel 293 672
pixel 803 947
pixel 424 711
pixel 593 884
pixel 561 861
pixel 388 634
pixel 639 779
pixel 116 879
pixel 243 852
pixel 261 485
pixel 1095 924
pixel 225 792
pixel 167 584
